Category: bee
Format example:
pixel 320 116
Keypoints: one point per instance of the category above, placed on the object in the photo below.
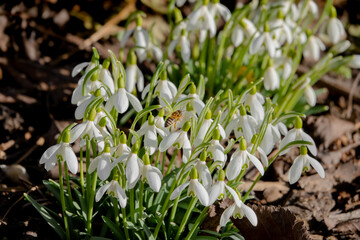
pixel 173 118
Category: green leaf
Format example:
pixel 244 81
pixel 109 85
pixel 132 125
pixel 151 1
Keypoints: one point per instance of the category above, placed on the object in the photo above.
pixel 159 68
pixel 47 217
pixel 285 116
pixel 182 86
pixel 53 187
pixel 146 230
pixel 113 228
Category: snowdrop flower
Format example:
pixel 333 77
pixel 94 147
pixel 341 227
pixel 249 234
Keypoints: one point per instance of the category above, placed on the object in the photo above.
pixel 195 189
pixel 141 38
pixel 297 134
pixel 91 86
pixel 271 137
pixel 180 140
pixel 245 29
pixel 86 129
pixel 311 7
pixel 163 89
pixel 203 170
pixel 255 101
pixel 264 39
pixel 302 163
pixel 243 125
pixel 87 65
pixel 133 74
pixel 310 95
pixel 219 10
pixel 260 152
pixel 105 135
pixel 122 148
pixel 183 44
pixel 238 212
pixel 61 151
pixel 216 150
pixel 188 115
pixel 151 52
pixel 281 31
pixel 195 101
pixel 355 62
pixel 105 76
pixel 102 163
pixel 113 189
pixel 120 100
pixel 313 47
pixel 151 174
pixel 160 122
pixel 82 105
pixel 333 28
pixel 201 19
pixel 204 128
pixel 271 78
pixel 218 191
pixel 133 164
pixel 150 131
pixel 181 3
pixel 241 160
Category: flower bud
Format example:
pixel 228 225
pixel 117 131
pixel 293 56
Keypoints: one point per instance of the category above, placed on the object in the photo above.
pixel 151 120
pixel 107 148
pixel 161 113
pixel 135 147
pixel 106 63
pixel 131 59
pixel 254 138
pixel 303 150
pixel 192 89
pixel 194 173
pixel 92 114
pixel 253 91
pixel 208 114
pixel 138 21
pixel 163 75
pixel 298 123
pixel 186 126
pixel 243 144
pixel 146 159
pixel 203 156
pixel 216 134
pixel 66 137
pixel 102 122
pixel 178 15
pixel 123 138
pixel 221 176
pixel 242 110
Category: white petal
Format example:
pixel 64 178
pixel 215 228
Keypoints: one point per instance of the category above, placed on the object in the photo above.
pixel 154 179
pixel 237 36
pixel 104 168
pixel 80 110
pixel 201 193
pixel 49 153
pixel 140 80
pixel 126 37
pixel 178 190
pixel 168 141
pixel 225 217
pixel 256 162
pixel 121 101
pixel 151 141
pixel 71 160
pixel 134 102
pixel 214 193
pixel 333 31
pixel 256 44
pixel 296 170
pixel 94 163
pixel 172 46
pixel 317 166
pixel 101 191
pixel 250 214
pixel 233 169
pixel 270 45
pixel 76 131
pixel 307 138
pixel 310 96
pixel 121 196
pixel 132 169
pixel 235 195
pixel 78 68
pixel 130 74
pixel 290 137
pixel 145 91
pixel 185 49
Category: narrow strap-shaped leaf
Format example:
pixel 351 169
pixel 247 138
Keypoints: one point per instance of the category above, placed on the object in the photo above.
pixel 114 228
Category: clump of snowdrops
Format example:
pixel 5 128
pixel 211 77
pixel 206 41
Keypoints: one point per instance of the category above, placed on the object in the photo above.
pixel 145 172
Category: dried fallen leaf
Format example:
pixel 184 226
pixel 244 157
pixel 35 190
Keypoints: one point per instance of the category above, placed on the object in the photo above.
pixel 330 128
pixel 336 218
pixel 272 191
pixel 273 223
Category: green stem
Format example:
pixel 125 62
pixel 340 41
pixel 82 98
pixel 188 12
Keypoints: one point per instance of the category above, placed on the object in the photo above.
pixel 116 211
pixel 123 210
pixel 163 162
pixel 157 159
pixel 68 187
pixel 198 221
pixel 186 217
pixel 141 200
pixel 132 201
pixel 62 199
pixel 82 173
pixel 88 179
pixel 91 203
pixel 172 161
